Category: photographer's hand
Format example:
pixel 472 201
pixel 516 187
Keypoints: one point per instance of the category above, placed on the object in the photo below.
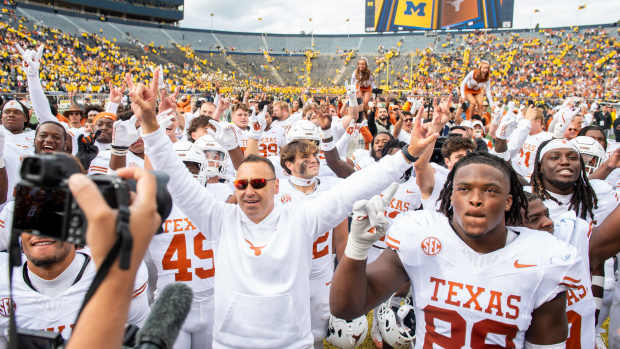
pixel 102 322
pixel 101 234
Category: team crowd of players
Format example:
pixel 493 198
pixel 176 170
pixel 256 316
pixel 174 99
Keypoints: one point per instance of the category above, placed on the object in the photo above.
pixel 482 223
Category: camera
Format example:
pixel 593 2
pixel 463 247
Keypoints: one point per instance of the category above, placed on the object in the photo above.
pixel 45 206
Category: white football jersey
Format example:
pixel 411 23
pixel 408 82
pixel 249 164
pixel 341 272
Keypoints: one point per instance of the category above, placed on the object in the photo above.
pixel 464 299
pixel 272 141
pixel 322 246
pixel 580 307
pixel 323 265
pixel 17 147
pixel 101 163
pixel 523 162
pixel 37 311
pixel 182 253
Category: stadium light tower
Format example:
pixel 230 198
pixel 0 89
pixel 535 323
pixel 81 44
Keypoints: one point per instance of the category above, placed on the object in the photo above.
pixel 212 14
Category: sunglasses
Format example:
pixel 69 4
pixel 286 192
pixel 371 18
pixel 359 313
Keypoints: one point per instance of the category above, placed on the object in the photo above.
pixel 256 183
pixel 407 120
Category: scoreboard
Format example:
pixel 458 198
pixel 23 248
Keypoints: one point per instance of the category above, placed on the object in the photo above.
pixel 397 15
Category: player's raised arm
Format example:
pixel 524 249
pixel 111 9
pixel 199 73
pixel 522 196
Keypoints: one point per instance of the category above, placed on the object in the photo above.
pixel 31 61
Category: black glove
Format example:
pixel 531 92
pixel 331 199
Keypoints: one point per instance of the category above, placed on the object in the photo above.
pixel 87 150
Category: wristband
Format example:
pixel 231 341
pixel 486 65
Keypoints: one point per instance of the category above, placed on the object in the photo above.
pixel 327 146
pixel 2 162
pixel 408 156
pixel 355 250
pixel 119 151
pixel 528 345
pixel 598 281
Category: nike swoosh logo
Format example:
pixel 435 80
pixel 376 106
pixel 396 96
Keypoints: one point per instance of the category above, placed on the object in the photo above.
pixel 517 265
pixel 409 192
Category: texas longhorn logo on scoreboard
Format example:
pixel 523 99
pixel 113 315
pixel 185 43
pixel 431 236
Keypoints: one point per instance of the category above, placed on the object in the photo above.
pixel 397 15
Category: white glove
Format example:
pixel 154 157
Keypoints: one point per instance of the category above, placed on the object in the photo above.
pixel 2 142
pixel 258 124
pixel 224 134
pixel 351 94
pixel 369 224
pixel 506 126
pixel 31 60
pixel 125 133
pixel 164 119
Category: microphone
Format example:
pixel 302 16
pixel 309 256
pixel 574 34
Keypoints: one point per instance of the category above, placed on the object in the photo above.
pixel 162 327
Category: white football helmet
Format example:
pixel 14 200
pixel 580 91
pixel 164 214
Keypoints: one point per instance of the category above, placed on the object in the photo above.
pixel 347 334
pixel 187 152
pixel 215 156
pixel 303 129
pixel 591 151
pixel 397 327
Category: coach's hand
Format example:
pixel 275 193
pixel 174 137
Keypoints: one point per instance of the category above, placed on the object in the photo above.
pixel 144 101
pixel 369 224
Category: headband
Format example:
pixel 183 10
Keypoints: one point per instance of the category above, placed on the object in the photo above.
pixel 104 115
pixel 13 104
pixel 557 143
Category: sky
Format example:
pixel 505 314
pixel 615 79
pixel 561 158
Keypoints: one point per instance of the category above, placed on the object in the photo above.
pixel 330 16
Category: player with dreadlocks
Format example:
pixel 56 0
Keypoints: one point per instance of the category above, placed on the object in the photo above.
pixel 489 284
pixel 560 180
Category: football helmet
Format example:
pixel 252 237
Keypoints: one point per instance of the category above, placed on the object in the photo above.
pixel 187 153
pixel 215 156
pixel 397 325
pixel 591 151
pixel 347 334
pixel 303 129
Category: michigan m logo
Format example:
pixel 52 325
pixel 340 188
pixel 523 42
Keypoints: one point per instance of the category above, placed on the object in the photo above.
pixel 418 9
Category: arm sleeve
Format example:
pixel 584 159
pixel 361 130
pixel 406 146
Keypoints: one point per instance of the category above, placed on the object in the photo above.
pixel 332 206
pixel 518 137
pixel 192 198
pixel 343 145
pixel 40 104
pixel 6 221
pixel 139 307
